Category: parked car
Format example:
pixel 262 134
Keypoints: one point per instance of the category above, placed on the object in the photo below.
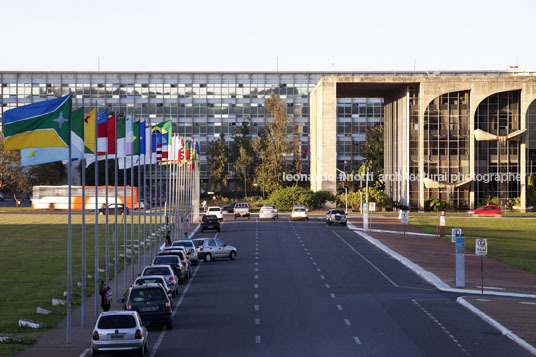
pixel 267 212
pixel 181 253
pixel 159 279
pixel 2 196
pixel 216 211
pixel 175 263
pixel 119 331
pixel 140 204
pixel 210 222
pixel 190 249
pixel 167 272
pixel 212 248
pixel 336 216
pixel 275 210
pixel 487 210
pixel 229 208
pixel 114 206
pixel 241 209
pixel 299 212
pixel 151 302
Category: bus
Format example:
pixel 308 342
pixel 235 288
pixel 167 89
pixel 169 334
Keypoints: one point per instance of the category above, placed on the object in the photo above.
pixel 57 197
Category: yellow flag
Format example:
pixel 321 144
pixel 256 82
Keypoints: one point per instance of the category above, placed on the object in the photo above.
pixel 90 120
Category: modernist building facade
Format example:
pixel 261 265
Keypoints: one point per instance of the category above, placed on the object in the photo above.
pixel 203 105
pixel 454 136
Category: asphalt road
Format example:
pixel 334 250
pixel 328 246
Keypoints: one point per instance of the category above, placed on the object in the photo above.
pixel 306 289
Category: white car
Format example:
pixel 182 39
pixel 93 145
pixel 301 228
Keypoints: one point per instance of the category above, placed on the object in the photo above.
pixel 190 248
pixel 299 212
pixel 119 331
pixel 216 211
pixel 267 212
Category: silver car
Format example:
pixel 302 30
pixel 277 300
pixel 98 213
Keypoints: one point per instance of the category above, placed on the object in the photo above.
pixel 299 212
pixel 119 331
pixel 159 279
pixel 190 249
pixel 267 212
pixel 167 272
pixel 213 248
pixel 336 216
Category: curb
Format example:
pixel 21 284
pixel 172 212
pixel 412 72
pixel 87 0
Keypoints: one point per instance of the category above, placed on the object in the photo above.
pixel 86 353
pixel 521 342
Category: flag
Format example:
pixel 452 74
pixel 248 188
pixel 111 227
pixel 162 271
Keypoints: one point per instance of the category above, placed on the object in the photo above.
pixel 129 136
pixel 156 140
pixel 90 120
pixel 165 129
pixel 197 151
pixel 110 131
pixel 102 132
pixel 187 151
pixel 180 154
pixel 143 138
pixel 42 124
pixel 120 126
pixel 42 155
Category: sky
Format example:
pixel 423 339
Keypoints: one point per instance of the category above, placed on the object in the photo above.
pixel 284 35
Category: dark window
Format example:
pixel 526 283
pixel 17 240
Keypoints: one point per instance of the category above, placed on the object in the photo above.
pixel 116 322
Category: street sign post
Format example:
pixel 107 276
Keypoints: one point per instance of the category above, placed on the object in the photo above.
pixel 404 218
pixel 365 217
pixel 460 261
pixel 442 223
pixel 481 248
pixel 372 206
pixel 455 232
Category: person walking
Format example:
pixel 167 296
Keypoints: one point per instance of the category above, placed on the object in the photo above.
pixel 102 293
pixel 168 239
pixel 185 236
pixel 107 299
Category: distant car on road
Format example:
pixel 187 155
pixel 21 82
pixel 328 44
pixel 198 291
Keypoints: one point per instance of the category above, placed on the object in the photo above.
pixel 119 331
pixel 487 210
pixel 229 208
pixel 2 196
pixel 336 216
pixel 299 213
pixel 267 212
pixel 212 248
pixel 210 222
pixel 217 211
pixel 114 206
pixel 241 209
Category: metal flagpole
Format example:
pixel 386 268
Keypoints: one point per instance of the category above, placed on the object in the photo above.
pixel 116 243
pixel 69 238
pixel 139 206
pixel 145 203
pixel 106 179
pixel 83 307
pixel 96 213
pixel 125 260
pixel 151 191
pixel 132 210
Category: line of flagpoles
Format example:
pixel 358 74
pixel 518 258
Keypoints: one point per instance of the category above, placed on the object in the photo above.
pixel 168 171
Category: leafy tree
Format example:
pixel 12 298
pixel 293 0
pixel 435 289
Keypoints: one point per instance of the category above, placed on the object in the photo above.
pixel 242 149
pixel 372 149
pixel 286 198
pixel 217 161
pixel 47 174
pixel 243 164
pixel 531 190
pixel 12 176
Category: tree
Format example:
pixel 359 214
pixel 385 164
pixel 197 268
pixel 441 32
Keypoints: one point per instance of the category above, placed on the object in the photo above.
pixel 243 164
pixel 372 149
pixel 217 161
pixel 242 149
pixel 531 190
pixel 51 173
pixel 272 146
pixel 12 176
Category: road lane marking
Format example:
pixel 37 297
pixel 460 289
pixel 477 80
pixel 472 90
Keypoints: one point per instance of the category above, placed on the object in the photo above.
pixel 357 341
pixel 256 286
pixel 347 322
pixel 527 303
pixel 163 333
pixel 327 286
pixel 322 277
pixel 333 295
pixel 256 307
pixel 258 339
pixel 256 269
pixel 339 307
pixel 256 296
pixel 318 270
pixel 365 259
pixel 256 263
pixel 257 322
pixel 256 277
pixel 314 263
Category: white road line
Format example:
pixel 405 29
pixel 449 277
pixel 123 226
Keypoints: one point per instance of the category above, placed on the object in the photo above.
pixel 357 341
pixel 258 339
pixel 256 263
pixel 347 322
pixel 339 307
pixel 163 333
pixel 256 286
pixel 365 259
pixel 314 263
pixel 257 322
pixel 333 295
pixel 256 307
pixel 527 303
pixel 256 269
pixel 327 286
pixel 322 276
pixel 256 296
pixel 318 270
pixel 256 277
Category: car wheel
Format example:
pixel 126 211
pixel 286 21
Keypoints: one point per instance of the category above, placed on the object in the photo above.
pixel 101 213
pixel 146 347
pixel 208 257
pixel 219 230
pixel 235 218
pixel 94 352
pixel 202 230
pixel 328 223
pixel 232 256
pixel 140 352
pixel 169 325
pixel 344 223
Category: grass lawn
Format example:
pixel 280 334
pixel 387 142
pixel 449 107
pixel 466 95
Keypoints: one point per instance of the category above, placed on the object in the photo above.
pixel 33 265
pixel 510 240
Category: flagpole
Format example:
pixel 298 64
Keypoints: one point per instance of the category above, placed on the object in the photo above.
pixel 145 203
pixel 125 260
pixel 116 242
pixel 69 238
pixel 132 207
pixel 106 179
pixel 139 208
pixel 96 213
pixel 151 191
pixel 83 307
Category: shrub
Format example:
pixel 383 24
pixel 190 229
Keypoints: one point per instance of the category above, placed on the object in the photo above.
pixel 286 198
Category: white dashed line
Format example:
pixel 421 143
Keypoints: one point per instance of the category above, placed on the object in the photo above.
pixel 347 322
pixel 258 339
pixel 333 295
pixel 314 263
pixel 327 286
pixel 257 322
pixel 527 303
pixel 256 277
pixel 357 341
pixel 256 263
pixel 311 258
pixel 256 286
pixel 256 307
pixel 322 277
pixel 318 270
pixel 339 307
pixel 256 269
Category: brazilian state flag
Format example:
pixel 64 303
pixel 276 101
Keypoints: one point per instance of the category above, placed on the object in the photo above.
pixel 42 124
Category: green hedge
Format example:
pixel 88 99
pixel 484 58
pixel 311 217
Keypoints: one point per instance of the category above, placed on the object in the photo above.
pixel 286 198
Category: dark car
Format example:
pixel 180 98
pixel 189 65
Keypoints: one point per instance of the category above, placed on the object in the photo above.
pixel 151 302
pixel 229 208
pixel 210 222
pixel 114 206
pixel 175 263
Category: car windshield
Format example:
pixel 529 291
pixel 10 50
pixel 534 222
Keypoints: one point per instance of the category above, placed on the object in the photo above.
pixel 147 294
pixel 209 218
pixel 156 271
pixel 214 209
pixel 116 322
pixel 338 212
pixel 299 209
pixel 166 260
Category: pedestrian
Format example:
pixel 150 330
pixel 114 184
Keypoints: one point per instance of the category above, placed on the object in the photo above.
pixel 168 239
pixel 102 293
pixel 107 301
pixel 185 236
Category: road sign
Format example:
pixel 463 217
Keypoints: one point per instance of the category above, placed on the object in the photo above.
pixel 372 207
pixel 455 232
pixel 481 246
pixel 404 216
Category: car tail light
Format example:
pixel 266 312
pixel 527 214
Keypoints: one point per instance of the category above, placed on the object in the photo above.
pixel 138 336
pixel 128 306
pixel 168 305
pixel 95 336
pixel 171 279
pixel 190 251
pixel 201 248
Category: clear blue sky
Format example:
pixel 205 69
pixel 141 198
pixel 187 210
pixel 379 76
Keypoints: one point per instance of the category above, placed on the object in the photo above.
pixel 246 35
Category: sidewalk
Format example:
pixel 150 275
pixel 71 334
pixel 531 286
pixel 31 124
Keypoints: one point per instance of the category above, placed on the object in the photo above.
pixel 437 257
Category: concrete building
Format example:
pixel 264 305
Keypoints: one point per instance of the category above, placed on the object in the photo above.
pixel 455 136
